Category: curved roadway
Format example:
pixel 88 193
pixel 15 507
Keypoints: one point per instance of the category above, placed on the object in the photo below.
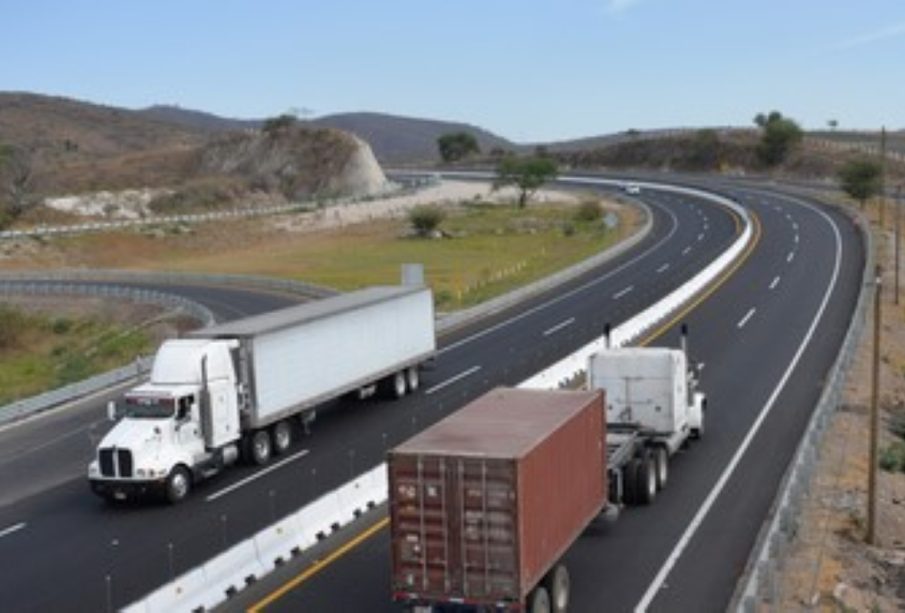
pixel 73 552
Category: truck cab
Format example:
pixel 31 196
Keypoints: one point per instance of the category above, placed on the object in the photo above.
pixel 172 430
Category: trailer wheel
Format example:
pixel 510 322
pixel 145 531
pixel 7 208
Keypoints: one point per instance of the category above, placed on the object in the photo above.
pixel 179 484
pixel 539 600
pixel 412 378
pixel 558 585
pixel 282 436
pixel 646 480
pixel 399 384
pixel 261 447
pixel 661 461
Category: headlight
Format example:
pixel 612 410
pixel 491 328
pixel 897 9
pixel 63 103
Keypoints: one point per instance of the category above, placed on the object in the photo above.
pixel 93 469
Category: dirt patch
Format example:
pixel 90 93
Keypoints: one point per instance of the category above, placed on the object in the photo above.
pixel 829 567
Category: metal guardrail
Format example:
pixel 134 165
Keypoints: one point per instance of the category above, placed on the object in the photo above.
pixel 758 589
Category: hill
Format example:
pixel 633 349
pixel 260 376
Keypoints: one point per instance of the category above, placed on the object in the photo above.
pixel 198 120
pixel 396 139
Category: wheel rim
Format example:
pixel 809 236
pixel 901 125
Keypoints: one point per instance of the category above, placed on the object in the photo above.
pixel 262 446
pixel 561 590
pixel 541 601
pixel 651 480
pixel 413 379
pixel 179 485
pixel 662 467
pixel 281 436
pixel 399 382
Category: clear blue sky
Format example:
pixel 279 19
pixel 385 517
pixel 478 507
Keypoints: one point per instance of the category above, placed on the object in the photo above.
pixel 530 70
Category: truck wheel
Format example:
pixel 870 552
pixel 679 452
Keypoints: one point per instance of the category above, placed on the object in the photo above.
pixel 661 461
pixel 630 483
pixel 179 484
pixel 282 436
pixel 558 584
pixel 260 447
pixel 539 600
pixel 697 433
pixel 412 379
pixel 398 389
pixel 646 480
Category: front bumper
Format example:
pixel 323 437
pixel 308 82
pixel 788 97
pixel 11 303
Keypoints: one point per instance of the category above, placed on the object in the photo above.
pixel 122 489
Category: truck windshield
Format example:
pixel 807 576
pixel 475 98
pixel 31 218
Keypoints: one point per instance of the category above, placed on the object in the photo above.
pixel 149 407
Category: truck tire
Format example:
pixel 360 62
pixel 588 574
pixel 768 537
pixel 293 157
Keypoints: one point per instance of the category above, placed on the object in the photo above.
pixel 179 484
pixel 260 447
pixel 398 384
pixel 282 436
pixel 630 483
pixel 412 378
pixel 646 480
pixel 661 462
pixel 539 600
pixel 697 433
pixel 558 586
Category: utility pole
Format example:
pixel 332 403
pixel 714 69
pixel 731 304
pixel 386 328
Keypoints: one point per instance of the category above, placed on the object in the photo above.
pixel 874 418
pixel 882 178
pixel 897 230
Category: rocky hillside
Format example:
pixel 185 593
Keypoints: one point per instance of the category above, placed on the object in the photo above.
pixel 55 146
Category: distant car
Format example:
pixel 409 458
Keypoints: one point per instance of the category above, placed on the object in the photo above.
pixel 632 188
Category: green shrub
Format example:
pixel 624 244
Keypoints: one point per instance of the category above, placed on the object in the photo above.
pixel 588 211
pixel 11 324
pixel 61 325
pixel 892 458
pixel 426 218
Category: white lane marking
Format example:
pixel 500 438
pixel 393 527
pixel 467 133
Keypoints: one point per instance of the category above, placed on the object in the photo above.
pixel 706 226
pixel 701 236
pixel 774 283
pixel 257 475
pixel 11 529
pixel 570 293
pixel 686 250
pixel 453 379
pixel 704 509
pixel 663 268
pixel 790 257
pixel 789 217
pixel 744 320
pixel 795 225
pixel 796 239
pixel 701 366
pixel 559 326
pixel 623 292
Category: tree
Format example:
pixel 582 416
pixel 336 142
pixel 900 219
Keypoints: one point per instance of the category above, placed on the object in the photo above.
pixel 457 145
pixel 16 181
pixel 525 173
pixel 832 124
pixel 779 135
pixel 860 179
pixel 425 218
pixel 277 124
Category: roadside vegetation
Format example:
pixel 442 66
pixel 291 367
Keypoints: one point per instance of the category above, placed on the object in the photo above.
pixel 40 351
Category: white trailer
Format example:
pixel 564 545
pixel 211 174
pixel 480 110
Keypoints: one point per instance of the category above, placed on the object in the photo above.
pixel 653 407
pixel 237 388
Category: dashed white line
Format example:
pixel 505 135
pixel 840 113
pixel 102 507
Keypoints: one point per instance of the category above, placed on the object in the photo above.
pixel 795 225
pixel 796 238
pixel 774 283
pixel 12 529
pixel 623 292
pixel 744 320
pixel 257 475
pixel 453 379
pixel 701 236
pixel 790 257
pixel 559 326
pixel 686 250
pixel 663 268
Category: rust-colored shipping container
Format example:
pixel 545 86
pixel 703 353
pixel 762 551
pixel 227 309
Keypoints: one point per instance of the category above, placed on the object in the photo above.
pixel 485 502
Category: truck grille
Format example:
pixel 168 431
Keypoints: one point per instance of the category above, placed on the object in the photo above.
pixel 124 459
pixel 106 461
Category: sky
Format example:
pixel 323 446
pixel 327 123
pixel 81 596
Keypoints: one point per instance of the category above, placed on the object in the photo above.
pixel 529 70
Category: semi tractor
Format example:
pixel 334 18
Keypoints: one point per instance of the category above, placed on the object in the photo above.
pixel 484 504
pixel 242 389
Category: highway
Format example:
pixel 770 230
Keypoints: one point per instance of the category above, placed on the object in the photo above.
pixel 747 333
pixel 766 337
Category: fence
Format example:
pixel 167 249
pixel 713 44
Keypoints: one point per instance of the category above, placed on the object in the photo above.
pixel 759 588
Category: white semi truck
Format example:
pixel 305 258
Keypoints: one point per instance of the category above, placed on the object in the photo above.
pixel 653 407
pixel 241 389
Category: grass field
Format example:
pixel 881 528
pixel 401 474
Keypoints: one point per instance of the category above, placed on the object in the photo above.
pixel 487 250
pixel 40 351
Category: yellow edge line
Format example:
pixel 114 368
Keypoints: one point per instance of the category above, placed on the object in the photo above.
pixel 318 566
pixel 380 525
